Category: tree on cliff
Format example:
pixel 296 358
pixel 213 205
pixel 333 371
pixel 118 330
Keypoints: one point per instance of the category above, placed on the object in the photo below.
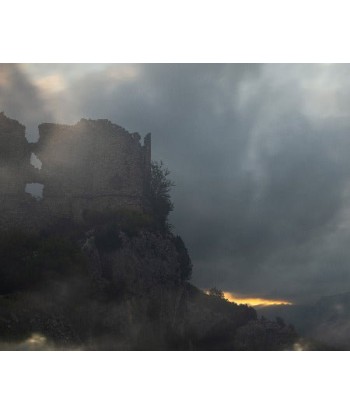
pixel 160 187
pixel 215 292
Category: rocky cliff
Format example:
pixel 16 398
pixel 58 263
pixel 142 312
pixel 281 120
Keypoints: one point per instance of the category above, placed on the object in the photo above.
pixel 121 288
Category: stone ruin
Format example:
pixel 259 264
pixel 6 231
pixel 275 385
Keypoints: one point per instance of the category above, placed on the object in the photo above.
pixel 92 166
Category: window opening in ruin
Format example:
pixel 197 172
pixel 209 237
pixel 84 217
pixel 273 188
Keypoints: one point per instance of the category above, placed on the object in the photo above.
pixel 35 161
pixel 31 132
pixel 35 189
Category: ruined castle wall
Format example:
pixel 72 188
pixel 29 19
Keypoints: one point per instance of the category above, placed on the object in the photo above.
pixel 14 153
pixel 15 170
pixel 92 166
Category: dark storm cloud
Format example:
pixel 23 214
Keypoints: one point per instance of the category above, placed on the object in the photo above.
pixel 20 99
pixel 259 155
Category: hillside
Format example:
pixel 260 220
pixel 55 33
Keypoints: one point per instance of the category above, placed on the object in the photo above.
pixel 119 283
pixel 323 324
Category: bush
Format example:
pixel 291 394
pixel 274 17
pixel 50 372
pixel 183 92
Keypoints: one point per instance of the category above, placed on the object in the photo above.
pixel 215 292
pixel 107 226
pixel 159 194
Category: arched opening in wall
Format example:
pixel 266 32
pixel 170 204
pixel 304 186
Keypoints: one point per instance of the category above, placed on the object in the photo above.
pixel 35 161
pixel 31 132
pixel 35 189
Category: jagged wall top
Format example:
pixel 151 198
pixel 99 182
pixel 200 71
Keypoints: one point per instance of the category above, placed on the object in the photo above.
pixel 92 165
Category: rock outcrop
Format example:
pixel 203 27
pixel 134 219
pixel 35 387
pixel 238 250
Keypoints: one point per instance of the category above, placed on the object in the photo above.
pixel 128 291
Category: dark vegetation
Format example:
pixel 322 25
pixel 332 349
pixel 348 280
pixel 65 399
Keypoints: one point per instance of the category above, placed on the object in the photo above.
pixel 230 326
pixel 324 324
pixel 26 260
pixel 159 194
pixel 120 281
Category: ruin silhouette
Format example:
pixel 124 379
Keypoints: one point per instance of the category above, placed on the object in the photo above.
pixel 91 166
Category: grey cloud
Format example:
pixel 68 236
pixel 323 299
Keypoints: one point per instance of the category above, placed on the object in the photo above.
pixel 259 155
pixel 20 99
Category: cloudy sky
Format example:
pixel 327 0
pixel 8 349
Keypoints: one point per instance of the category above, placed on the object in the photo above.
pixel 260 155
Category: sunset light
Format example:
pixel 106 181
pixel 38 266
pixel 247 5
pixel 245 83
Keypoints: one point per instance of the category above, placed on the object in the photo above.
pixel 254 301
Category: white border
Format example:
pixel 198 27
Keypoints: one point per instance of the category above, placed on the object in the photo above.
pixel 172 383
pixel 183 31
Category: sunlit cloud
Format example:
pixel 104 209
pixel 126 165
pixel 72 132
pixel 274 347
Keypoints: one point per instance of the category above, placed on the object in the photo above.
pixel 123 72
pixel 4 78
pixel 69 71
pixel 51 84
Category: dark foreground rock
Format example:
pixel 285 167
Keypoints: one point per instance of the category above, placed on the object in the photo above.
pixel 125 291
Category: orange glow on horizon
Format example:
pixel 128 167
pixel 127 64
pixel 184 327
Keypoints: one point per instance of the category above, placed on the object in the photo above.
pixel 253 301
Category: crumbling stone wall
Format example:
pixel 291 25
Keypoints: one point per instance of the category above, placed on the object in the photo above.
pixel 92 166
pixel 14 152
pixel 15 172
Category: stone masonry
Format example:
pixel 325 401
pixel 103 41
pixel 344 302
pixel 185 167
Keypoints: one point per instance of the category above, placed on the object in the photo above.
pixel 92 166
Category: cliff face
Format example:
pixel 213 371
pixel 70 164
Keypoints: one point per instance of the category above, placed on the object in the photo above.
pixel 125 297
pixel 126 291
pixel 141 280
